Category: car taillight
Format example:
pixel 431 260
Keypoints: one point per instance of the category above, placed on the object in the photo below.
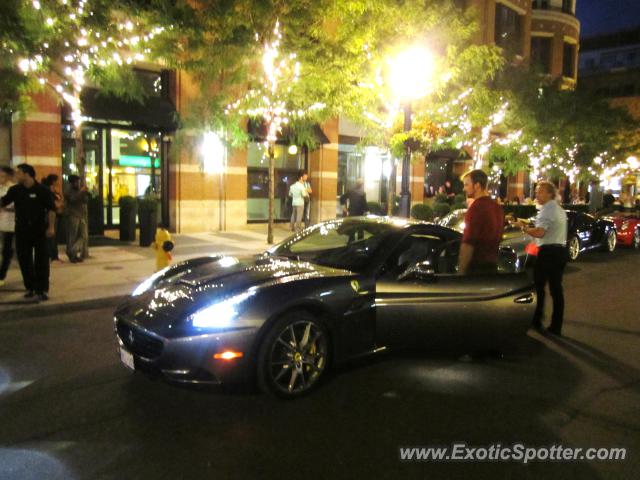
pixel 531 249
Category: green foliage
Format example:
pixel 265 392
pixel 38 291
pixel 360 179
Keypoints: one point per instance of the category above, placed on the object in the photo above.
pixel 441 209
pixel 460 198
pixel 148 204
pixel 458 206
pixel 127 201
pixel 422 212
pixel 441 198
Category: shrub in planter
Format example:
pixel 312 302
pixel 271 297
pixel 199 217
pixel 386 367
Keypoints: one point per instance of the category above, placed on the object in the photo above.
pixel 148 215
pixel 459 206
pixel 96 215
pixel 460 198
pixel 422 212
pixel 441 198
pixel 128 212
pixel 375 208
pixel 441 209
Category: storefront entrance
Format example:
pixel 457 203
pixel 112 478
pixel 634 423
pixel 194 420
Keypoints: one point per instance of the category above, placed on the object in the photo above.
pixel 118 162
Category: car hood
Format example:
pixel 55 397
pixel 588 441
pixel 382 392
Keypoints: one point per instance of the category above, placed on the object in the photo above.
pixel 202 282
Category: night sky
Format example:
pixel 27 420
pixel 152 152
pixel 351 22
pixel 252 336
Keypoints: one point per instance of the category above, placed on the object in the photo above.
pixel 605 16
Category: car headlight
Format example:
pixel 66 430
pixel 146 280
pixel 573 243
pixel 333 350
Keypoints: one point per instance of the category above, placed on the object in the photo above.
pixel 148 283
pixel 220 314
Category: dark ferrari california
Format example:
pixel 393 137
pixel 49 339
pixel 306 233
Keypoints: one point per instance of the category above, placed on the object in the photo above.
pixel 338 290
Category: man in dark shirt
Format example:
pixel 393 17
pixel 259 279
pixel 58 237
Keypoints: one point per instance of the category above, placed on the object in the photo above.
pixel 483 228
pixel 356 200
pixel 35 220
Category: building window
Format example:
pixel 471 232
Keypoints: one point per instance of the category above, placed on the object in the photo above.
pixel 152 83
pixel 508 33
pixel 540 4
pixel 567 6
pixel 541 53
pixel 288 162
pixel 568 60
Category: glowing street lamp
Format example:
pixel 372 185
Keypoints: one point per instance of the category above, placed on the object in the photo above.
pixel 633 163
pixel 411 75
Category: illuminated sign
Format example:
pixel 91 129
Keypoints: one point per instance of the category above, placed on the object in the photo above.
pixel 137 161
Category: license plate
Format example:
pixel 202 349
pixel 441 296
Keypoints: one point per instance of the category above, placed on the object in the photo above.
pixel 127 359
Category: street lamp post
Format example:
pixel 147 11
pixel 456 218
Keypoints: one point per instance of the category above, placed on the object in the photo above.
pixel 405 191
pixel 411 78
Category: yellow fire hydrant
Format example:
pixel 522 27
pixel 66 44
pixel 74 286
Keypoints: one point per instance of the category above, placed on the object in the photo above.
pixel 163 246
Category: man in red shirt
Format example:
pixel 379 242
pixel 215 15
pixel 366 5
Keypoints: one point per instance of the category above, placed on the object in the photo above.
pixel 483 227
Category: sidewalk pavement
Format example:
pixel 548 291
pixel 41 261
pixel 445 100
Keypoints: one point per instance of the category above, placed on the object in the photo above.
pixel 114 270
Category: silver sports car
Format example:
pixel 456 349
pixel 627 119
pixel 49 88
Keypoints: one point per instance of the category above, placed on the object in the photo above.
pixel 337 290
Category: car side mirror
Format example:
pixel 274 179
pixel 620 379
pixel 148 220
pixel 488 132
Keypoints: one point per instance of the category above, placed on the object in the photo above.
pixel 419 271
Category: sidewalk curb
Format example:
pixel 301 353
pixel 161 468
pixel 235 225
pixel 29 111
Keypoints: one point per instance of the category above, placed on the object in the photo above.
pixel 43 310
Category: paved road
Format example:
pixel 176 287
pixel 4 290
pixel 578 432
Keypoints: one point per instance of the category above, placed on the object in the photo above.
pixel 68 409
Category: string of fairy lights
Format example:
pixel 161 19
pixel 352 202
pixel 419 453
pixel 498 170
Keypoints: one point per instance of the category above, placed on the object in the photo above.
pixel 121 42
pixel 269 101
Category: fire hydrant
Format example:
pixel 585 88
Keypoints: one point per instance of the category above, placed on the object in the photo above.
pixel 163 246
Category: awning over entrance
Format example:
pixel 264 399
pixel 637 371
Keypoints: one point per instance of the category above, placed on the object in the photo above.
pixel 154 113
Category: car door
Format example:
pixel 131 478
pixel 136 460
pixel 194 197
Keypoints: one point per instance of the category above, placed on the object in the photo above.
pixel 447 310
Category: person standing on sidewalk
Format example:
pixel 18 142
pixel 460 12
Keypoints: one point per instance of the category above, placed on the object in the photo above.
pixel 307 200
pixel 35 217
pixel 550 232
pixel 7 223
pixel 484 226
pixel 76 198
pixel 297 192
pixel 50 181
pixel 355 200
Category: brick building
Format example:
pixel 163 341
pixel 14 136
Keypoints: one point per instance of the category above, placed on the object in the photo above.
pixel 130 147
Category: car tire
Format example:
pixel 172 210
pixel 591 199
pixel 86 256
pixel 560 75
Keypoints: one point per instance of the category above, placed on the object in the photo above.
pixel 294 355
pixel 610 241
pixel 573 248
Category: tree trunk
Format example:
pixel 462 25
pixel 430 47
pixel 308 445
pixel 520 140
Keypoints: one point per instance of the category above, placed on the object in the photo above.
pixel 271 151
pixel 80 160
pixel 391 192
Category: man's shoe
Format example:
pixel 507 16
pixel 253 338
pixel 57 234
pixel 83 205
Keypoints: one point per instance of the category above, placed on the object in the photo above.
pixel 43 297
pixel 30 294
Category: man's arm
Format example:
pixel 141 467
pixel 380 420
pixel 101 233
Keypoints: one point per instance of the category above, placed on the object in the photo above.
pixel 8 198
pixel 536 232
pixel 464 258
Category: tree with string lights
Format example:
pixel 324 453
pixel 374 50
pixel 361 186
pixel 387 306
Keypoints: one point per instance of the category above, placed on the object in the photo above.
pixel 63 45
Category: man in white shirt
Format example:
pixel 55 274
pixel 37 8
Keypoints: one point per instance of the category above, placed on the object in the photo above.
pixel 550 233
pixel 7 223
pixel 297 192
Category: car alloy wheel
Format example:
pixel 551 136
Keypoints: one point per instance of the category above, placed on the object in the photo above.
pixel 574 248
pixel 611 241
pixel 293 356
pixel 636 239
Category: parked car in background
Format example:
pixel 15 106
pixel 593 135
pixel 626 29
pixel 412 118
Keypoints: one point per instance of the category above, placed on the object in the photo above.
pixel 586 233
pixel 627 228
pixel 520 245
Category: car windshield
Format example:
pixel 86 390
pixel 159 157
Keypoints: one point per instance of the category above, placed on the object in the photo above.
pixel 454 220
pixel 344 244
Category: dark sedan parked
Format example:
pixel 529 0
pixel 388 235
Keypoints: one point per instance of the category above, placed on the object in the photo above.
pixel 337 290
pixel 585 233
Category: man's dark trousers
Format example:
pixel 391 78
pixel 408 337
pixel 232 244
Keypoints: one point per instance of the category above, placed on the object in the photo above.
pixel 33 257
pixel 549 268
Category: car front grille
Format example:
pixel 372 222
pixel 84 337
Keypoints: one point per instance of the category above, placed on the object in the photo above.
pixel 139 342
